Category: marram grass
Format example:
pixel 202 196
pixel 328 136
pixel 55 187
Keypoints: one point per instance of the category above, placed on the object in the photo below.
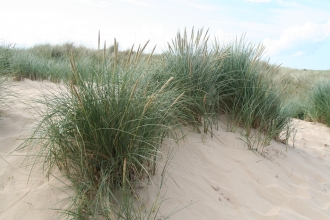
pixel 104 124
pixel 249 98
pixel 103 130
pixel 319 102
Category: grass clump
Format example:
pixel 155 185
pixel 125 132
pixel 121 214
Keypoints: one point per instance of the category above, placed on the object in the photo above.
pixel 250 99
pixel 5 57
pixel 319 102
pixel 5 68
pixel 231 80
pixel 103 131
pixel 197 72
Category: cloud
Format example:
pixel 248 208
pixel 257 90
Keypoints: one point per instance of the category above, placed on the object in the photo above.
pixel 299 39
pixel 141 3
pixel 224 37
pixel 298 54
pixel 258 1
pixel 203 6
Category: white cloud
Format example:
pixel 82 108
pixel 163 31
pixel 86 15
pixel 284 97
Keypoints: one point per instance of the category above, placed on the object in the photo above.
pixel 202 7
pixel 225 37
pixel 141 3
pixel 300 38
pixel 298 54
pixel 258 1
pixel 127 36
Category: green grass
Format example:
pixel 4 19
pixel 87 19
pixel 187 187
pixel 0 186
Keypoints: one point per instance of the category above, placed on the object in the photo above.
pixel 299 88
pixel 28 65
pixel 5 59
pixel 196 72
pixel 250 100
pixel 103 131
pixel 5 68
pixel 47 62
pixel 319 102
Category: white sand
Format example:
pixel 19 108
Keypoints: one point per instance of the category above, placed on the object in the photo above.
pixel 208 178
pixel 24 195
pixel 213 179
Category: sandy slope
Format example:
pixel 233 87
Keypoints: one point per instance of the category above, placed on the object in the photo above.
pixel 210 178
pixel 24 195
pixel 217 178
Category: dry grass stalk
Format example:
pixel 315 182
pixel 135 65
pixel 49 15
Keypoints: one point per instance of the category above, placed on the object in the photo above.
pixel 204 100
pixel 73 65
pixel 166 84
pixel 190 68
pixel 124 171
pixel 148 104
pixel 75 73
pixel 169 47
pixel 153 95
pixel 139 54
pixel 129 56
pixel 152 52
pixel 224 54
pixel 99 41
pixel 104 50
pixel 133 90
pixel 177 99
pixel 115 44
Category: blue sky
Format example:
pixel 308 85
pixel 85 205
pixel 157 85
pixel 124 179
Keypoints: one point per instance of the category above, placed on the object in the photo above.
pixel 295 33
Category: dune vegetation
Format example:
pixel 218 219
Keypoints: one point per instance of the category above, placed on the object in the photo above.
pixel 104 124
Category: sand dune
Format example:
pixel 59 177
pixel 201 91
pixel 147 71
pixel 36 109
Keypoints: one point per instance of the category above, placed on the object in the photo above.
pixel 207 178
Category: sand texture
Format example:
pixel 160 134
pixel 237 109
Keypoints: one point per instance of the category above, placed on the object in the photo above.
pixel 24 194
pixel 206 178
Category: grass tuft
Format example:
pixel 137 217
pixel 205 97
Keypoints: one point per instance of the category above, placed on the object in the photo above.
pixel 103 131
pixel 319 102
pixel 250 99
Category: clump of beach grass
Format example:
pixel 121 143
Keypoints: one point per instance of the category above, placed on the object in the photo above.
pixel 250 99
pixel 5 56
pixel 5 68
pixel 319 102
pixel 103 131
pixel 197 70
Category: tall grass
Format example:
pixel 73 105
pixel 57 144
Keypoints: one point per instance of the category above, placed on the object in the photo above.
pixel 196 72
pixel 47 62
pixel 5 59
pixel 25 64
pixel 227 79
pixel 250 99
pixel 103 131
pixel 298 88
pixel 319 102
pixel 5 68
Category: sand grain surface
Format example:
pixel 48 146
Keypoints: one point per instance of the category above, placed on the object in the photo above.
pixel 24 194
pixel 218 178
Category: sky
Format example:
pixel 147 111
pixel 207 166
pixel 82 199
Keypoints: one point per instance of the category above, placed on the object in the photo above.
pixel 296 33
